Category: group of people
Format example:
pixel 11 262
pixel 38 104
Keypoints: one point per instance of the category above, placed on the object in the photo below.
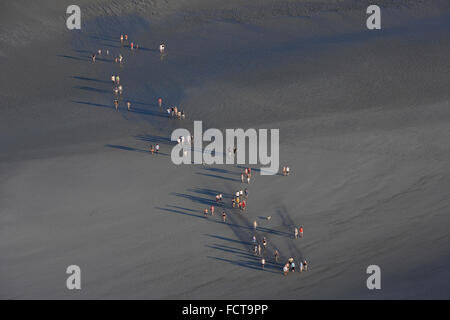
pixel 99 52
pixel 246 175
pixel 298 232
pixel 154 148
pixel 290 266
pixel 118 88
pixel 175 112
pixel 286 171
pixel 239 199
pixel 184 139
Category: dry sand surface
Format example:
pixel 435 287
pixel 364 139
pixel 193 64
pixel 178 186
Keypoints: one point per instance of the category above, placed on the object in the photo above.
pixel 364 119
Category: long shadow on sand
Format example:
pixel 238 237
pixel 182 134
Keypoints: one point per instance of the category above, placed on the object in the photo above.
pixel 206 192
pixel 72 57
pixel 147 112
pixel 201 200
pixel 86 88
pixel 219 170
pixel 232 225
pixel 132 110
pixel 93 104
pixel 270 262
pixel 253 264
pixel 246 243
pixel 218 177
pixel 144 104
pixel 134 149
pixel 90 79
pixel 148 49
pixel 155 139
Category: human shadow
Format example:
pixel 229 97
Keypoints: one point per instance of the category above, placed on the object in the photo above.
pixel 182 212
pixel 177 207
pixel 125 148
pixel 246 243
pixel 218 177
pixel 90 79
pixel 201 200
pixel 92 89
pixel 235 251
pixel 104 38
pixel 148 49
pixel 93 104
pixel 142 103
pixel 72 57
pixel 135 149
pixel 219 170
pixel 155 139
pixel 207 192
pixel 146 112
pixel 253 169
pixel 253 264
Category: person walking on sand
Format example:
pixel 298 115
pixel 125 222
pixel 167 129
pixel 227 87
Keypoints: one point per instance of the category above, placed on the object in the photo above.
pixel 255 224
pixel 286 269
pixel 259 249
pixel 263 262
pixel 233 202
pixel 254 239
pixel 224 217
pixel 242 177
pixel 305 265
pixel 212 210
pixel 205 212
pixel 300 266
pixel 293 266
pixel 255 250
pixel 295 233
pixel 93 57
pixel 113 79
pixel 246 193
pixel 121 38
pixel 290 260
pixel 248 179
pixel 160 102
pixel 128 105
pixel 157 148
pixel 276 254
pixel 287 171
pixel 152 149
pixel 243 205
pixel 116 104
pixel 301 231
